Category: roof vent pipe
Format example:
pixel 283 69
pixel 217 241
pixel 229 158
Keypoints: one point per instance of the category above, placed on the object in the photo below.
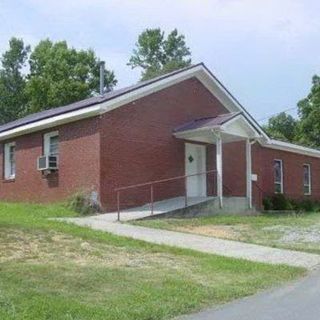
pixel 101 77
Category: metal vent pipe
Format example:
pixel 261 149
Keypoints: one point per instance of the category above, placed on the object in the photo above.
pixel 102 63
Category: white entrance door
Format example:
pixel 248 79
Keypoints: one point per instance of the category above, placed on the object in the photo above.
pixel 195 162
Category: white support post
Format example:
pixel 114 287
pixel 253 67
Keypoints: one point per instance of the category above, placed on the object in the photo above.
pixel 249 173
pixel 219 169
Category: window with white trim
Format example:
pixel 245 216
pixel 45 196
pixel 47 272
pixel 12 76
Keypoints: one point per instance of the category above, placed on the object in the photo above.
pixel 306 179
pixel 278 176
pixel 51 143
pixel 10 160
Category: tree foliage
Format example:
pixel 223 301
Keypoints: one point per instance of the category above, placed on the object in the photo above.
pixel 13 98
pixel 57 75
pixel 157 55
pixel 282 127
pixel 306 128
pixel 309 113
pixel 60 75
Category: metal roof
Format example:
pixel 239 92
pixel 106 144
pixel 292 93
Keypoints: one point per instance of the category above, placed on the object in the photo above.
pixel 85 103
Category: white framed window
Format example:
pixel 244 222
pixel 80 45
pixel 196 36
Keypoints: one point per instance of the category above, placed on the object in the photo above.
pixel 10 160
pixel 51 143
pixel 306 179
pixel 278 176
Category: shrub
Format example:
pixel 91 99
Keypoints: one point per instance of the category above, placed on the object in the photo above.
pixel 281 202
pixel 277 202
pixel 295 204
pixel 267 203
pixel 82 203
pixel 307 205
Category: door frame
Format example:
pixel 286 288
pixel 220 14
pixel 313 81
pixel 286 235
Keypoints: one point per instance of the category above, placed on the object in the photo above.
pixel 203 178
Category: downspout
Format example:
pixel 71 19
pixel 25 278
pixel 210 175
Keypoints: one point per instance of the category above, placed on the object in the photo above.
pixel 219 166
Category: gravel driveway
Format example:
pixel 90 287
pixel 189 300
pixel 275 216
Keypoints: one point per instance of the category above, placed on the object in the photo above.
pixel 293 234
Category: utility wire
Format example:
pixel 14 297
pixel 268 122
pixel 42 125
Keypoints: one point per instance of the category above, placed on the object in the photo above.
pixel 275 114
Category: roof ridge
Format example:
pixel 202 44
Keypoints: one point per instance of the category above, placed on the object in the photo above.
pixel 80 104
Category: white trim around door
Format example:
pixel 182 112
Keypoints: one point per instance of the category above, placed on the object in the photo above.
pixel 195 162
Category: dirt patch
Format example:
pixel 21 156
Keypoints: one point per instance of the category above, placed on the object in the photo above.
pixel 218 231
pixel 53 247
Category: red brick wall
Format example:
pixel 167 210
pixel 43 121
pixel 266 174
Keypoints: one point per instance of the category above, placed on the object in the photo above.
pixel 234 168
pixel 78 164
pixel 134 144
pixel 292 173
pixel 137 143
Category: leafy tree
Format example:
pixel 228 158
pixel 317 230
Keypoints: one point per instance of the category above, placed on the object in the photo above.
pixel 157 55
pixel 283 127
pixel 60 75
pixel 12 81
pixel 309 112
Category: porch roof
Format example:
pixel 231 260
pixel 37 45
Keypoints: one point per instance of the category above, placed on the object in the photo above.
pixel 231 126
pixel 207 122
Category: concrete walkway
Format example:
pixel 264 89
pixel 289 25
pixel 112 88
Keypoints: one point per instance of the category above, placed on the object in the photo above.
pixel 294 301
pixel 203 244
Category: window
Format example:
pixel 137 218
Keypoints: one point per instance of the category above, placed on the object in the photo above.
pixel 51 143
pixel 9 160
pixel 306 179
pixel 278 176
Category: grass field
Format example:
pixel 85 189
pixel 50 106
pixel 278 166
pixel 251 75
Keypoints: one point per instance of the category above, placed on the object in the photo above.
pixel 275 230
pixel 52 270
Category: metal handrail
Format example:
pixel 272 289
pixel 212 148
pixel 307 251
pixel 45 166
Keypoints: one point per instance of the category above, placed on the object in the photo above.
pixel 229 190
pixel 152 183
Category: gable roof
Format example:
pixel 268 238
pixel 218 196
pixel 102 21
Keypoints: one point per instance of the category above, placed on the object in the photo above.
pixel 109 101
pixel 96 105
pixel 83 103
pixel 231 126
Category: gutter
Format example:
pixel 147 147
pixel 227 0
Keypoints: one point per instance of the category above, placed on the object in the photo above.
pixel 51 122
pixel 290 147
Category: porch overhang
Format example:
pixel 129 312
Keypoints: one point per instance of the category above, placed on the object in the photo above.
pixel 229 127
pixel 223 129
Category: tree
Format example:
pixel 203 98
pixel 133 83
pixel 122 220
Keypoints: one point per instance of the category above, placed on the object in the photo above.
pixel 157 55
pixel 309 112
pixel 12 81
pixel 60 75
pixel 283 127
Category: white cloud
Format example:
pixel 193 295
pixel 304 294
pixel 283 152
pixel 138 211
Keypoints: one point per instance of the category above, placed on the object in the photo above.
pixel 272 26
pixel 289 17
pixel 256 47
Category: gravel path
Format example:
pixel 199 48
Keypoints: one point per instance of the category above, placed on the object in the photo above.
pixel 204 244
pixel 296 234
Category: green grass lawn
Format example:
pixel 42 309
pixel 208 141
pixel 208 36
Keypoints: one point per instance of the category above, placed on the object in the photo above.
pixel 52 270
pixel 300 233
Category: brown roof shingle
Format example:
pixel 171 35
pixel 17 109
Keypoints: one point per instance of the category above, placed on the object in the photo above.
pixel 86 102
pixel 206 122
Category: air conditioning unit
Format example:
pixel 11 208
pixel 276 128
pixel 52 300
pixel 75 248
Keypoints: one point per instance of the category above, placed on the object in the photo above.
pixel 47 163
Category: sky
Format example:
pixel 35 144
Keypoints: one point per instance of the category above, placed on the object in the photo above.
pixel 264 51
